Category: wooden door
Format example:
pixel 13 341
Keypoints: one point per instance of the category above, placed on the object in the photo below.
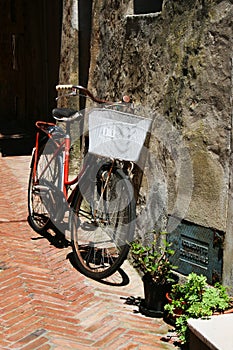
pixel 30 34
pixel 12 77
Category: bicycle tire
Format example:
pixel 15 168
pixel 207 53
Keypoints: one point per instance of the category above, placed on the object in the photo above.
pixel 38 209
pixel 99 249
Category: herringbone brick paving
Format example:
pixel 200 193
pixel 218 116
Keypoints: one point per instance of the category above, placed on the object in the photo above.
pixel 45 302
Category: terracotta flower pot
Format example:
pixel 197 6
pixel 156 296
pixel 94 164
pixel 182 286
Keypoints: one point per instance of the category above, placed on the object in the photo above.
pixel 227 311
pixel 178 311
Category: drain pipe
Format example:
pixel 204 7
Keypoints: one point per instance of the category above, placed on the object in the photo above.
pixel 228 243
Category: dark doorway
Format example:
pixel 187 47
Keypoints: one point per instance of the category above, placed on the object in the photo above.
pixel 30 33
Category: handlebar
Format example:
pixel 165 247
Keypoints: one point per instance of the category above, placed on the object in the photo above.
pixel 125 99
pixel 81 88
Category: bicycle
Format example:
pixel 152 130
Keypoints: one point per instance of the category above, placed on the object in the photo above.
pixel 101 208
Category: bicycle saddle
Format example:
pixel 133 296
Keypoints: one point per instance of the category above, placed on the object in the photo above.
pixel 65 114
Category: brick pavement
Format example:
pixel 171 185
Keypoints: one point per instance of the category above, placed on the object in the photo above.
pixel 45 302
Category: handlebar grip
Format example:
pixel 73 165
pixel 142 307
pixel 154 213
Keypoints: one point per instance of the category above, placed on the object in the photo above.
pixel 126 99
pixel 64 87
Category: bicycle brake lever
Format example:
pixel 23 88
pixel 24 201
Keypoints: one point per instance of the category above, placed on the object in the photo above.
pixel 73 93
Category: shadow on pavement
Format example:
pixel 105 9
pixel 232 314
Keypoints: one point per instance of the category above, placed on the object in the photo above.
pixel 54 236
pixel 122 278
pixel 16 141
pixel 58 240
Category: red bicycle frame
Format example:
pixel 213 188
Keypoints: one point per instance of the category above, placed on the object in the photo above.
pixel 64 146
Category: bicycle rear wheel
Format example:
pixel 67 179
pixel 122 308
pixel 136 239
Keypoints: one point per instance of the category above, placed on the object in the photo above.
pixel 102 223
pixel 48 175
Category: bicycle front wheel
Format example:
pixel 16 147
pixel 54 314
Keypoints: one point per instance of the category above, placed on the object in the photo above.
pixel 102 223
pixel 45 175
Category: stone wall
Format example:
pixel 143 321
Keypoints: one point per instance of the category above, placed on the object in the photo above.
pixel 69 45
pixel 176 64
pixel 69 57
pixel 179 64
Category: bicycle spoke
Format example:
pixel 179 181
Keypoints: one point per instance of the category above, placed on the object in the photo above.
pixel 101 225
pixel 48 172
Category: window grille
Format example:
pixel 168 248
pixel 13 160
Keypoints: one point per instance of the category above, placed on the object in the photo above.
pixel 147 6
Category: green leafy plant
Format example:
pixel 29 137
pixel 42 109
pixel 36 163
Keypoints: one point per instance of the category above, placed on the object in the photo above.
pixel 195 299
pixel 153 259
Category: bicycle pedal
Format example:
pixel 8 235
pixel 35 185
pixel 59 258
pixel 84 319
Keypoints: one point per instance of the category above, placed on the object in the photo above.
pixel 47 195
pixel 41 188
pixel 89 226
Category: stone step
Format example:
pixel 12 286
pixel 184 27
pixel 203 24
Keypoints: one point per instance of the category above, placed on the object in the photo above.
pixel 214 333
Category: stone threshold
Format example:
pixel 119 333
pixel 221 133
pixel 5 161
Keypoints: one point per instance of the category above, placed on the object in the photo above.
pixel 214 333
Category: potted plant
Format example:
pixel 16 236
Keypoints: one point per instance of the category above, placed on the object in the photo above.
pixel 153 263
pixel 194 299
